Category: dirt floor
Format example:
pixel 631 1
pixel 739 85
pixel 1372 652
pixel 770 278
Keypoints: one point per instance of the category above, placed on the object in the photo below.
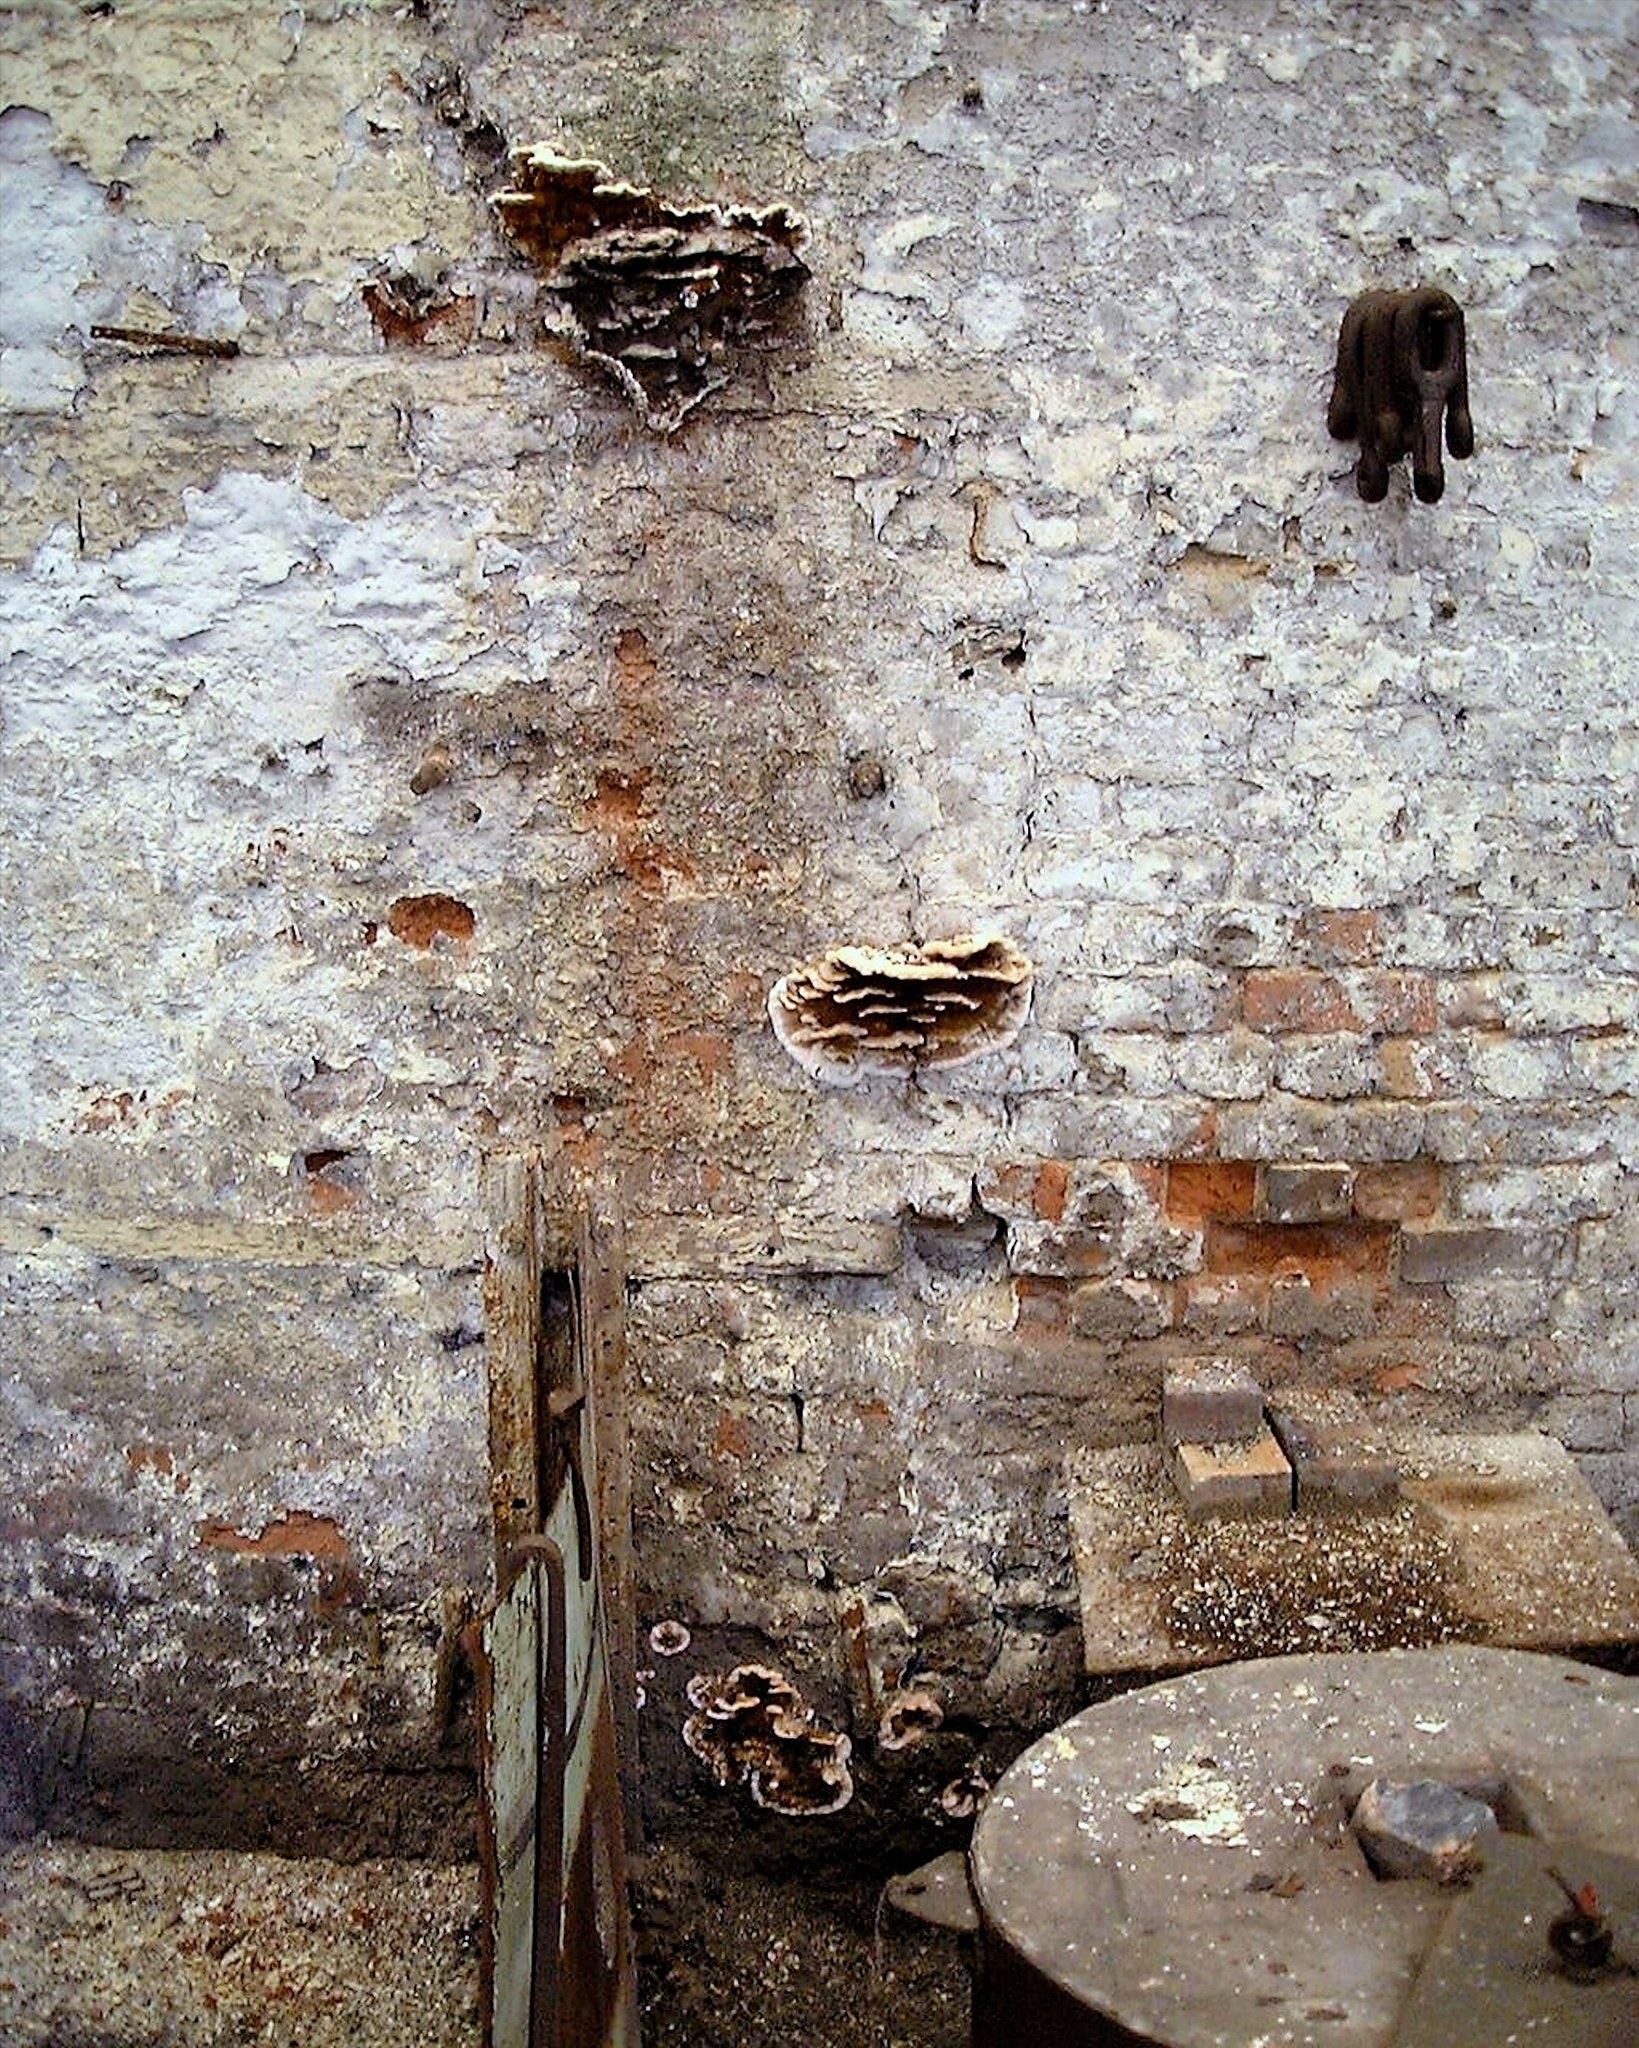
pixel 103 1948
pixel 733 1959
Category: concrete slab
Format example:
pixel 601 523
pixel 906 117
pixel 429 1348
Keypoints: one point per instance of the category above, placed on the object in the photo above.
pixel 1178 1861
pixel 193 1949
pixel 1494 1539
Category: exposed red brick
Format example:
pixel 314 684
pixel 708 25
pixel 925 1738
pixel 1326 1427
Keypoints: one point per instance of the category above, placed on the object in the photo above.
pixel 1042 1304
pixel 1051 1190
pixel 618 806
pixel 418 920
pixel 151 1458
pixel 731 1438
pixel 295 1534
pixel 1210 1187
pixel 1341 938
pixel 1405 1075
pixel 1402 1003
pixel 711 1051
pixel 1325 1253
pixel 1406 1191
pixel 1292 999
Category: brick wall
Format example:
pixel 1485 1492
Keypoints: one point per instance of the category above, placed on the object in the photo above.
pixel 409 755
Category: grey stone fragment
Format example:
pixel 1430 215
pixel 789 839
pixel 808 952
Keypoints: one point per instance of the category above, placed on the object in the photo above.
pixel 1210 1401
pixel 1422 1829
pixel 1337 1457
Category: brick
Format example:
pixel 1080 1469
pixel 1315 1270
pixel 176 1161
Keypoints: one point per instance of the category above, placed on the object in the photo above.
pixel 1121 1311
pixel 1210 1187
pixel 1430 1257
pixel 1290 999
pixel 1335 1315
pixel 1327 1252
pixel 1402 1191
pixel 1331 1067
pixel 1305 1193
pixel 1341 938
pixel 1222 1305
pixel 1337 1458
pixel 1396 1003
pixel 1210 1401
pixel 1240 1479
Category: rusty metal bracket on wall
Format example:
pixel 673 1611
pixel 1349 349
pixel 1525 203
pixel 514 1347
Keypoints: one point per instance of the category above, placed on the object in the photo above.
pixel 1402 369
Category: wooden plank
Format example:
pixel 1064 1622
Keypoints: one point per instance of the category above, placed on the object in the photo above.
pixel 602 1300
pixel 512 1334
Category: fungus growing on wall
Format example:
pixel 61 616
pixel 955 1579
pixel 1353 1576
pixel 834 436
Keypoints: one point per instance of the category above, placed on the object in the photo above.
pixel 666 298
pixel 908 1715
pixel 860 1010
pixel 751 1727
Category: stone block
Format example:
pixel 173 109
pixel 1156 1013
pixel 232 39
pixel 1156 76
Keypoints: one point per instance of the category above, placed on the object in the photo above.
pixel 1305 1193
pixel 1337 1458
pixel 1233 1479
pixel 1423 1829
pixel 1210 1401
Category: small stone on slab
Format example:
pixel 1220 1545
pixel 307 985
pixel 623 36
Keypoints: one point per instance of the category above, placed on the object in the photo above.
pixel 1422 1829
pixel 1235 1479
pixel 1210 1401
pixel 1337 1458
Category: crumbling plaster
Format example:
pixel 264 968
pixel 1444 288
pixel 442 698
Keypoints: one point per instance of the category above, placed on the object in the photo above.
pixel 1025 591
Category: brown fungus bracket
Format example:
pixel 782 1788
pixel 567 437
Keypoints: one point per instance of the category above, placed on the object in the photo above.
pixel 859 1011
pixel 751 1727
pixel 1402 367
pixel 667 298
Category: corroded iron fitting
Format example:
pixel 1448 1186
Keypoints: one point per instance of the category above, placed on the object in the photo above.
pixel 1402 368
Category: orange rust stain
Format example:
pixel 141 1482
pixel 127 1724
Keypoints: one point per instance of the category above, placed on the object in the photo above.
pixel 1198 1188
pixel 1051 1190
pixel 635 667
pixel 295 1534
pixel 159 1459
pixel 731 1439
pixel 1397 1379
pixel 711 1051
pixel 419 920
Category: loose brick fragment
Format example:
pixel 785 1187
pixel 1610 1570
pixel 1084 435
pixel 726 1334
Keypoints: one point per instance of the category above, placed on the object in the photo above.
pixel 1233 1479
pixel 1210 1401
pixel 1337 1458
pixel 1305 1193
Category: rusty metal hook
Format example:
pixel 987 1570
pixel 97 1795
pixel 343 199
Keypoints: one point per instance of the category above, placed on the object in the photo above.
pixel 1402 371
